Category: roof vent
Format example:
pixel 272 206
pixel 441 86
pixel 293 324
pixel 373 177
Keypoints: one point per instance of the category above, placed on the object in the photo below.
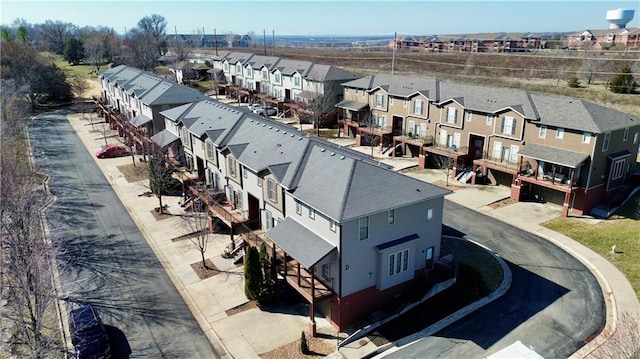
pixel 277 130
pixel 292 135
pixel 342 157
pixel 322 150
pixel 270 127
pixel 333 153
pixel 284 132
pixel 264 125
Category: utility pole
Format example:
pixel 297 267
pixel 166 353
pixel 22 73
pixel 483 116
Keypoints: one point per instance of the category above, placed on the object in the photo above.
pixel 264 40
pixel 215 41
pixel 273 40
pixel 393 58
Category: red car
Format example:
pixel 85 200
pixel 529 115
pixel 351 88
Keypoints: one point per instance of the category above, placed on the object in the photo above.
pixel 112 151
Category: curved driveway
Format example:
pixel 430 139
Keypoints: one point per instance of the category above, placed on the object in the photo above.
pixel 553 306
pixel 107 261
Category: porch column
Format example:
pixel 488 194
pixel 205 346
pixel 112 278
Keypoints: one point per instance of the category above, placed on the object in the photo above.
pixel 312 306
pixel 233 243
pixel 393 149
pixel 298 268
pixel 473 173
pixel 565 205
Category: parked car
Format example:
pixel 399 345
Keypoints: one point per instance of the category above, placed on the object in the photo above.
pixel 111 151
pixel 88 335
pixel 254 107
pixel 266 111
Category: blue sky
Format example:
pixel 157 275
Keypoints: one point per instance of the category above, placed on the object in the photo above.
pixel 364 17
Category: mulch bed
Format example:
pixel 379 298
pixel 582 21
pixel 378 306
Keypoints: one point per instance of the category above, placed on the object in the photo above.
pixel 160 216
pixel 135 173
pixel 242 307
pixel 502 203
pixel 204 273
pixel 452 186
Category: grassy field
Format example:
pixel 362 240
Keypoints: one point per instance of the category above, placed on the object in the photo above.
pixel 623 231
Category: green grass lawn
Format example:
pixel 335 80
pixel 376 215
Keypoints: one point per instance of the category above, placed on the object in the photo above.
pixel 621 230
pixel 82 71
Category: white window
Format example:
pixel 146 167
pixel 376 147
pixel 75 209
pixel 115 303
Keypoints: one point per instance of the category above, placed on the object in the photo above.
pixel 357 92
pixel 586 137
pixel 398 262
pixel 277 78
pixel 363 228
pixel 456 140
pixel 296 81
pixel 617 170
pixel 469 116
pixel 508 125
pixel 543 132
pixel 423 130
pixel 312 213
pixel 364 93
pixel 232 167
pixel 635 138
pixel 605 142
pixel 451 114
pixel 239 68
pixel 625 136
pixel 497 150
pixel 379 100
pixel 391 216
pixel 412 128
pixel 489 120
pixel 272 190
pixel 298 207
pixel 332 225
pixel 514 153
pixel 443 137
pixel 417 107
pixel 560 133
pixel 259 181
pixel 209 150
pixel 390 100
pixel 429 213
pixel 249 71
pixel 265 74
pixel 268 220
pixel 405 103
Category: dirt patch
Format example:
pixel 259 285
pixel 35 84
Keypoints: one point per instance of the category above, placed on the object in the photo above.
pixel 160 216
pixel 135 173
pixel 501 203
pixel 451 186
pixel 242 307
pixel 318 348
pixel 205 272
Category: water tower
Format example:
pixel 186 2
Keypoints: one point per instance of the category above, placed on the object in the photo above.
pixel 618 18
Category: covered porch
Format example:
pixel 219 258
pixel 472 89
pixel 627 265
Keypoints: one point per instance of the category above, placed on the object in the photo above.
pixel 352 115
pixel 298 252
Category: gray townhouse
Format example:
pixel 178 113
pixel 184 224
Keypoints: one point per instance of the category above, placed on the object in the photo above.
pixel 350 233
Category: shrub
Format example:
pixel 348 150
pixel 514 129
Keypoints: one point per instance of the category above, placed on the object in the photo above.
pixel 252 274
pixel 573 82
pixel 304 346
pixel 623 82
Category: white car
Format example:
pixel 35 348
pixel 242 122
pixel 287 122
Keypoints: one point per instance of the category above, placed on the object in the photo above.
pixel 266 111
pixel 254 107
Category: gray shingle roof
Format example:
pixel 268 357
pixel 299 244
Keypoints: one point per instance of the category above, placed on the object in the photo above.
pixel 576 114
pixel 554 155
pixel 398 85
pixel 299 242
pixel 164 138
pixel 487 99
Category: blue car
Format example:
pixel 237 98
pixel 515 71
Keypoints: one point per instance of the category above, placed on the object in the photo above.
pixel 88 335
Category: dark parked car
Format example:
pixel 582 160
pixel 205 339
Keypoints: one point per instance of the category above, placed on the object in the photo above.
pixel 88 335
pixel 112 151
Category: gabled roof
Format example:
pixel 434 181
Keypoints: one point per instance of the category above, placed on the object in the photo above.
pixel 305 246
pixel 234 57
pixel 288 66
pixel 577 114
pixel 322 73
pixel 152 90
pixel 258 61
pixel 398 85
pixel 555 155
pixel 487 99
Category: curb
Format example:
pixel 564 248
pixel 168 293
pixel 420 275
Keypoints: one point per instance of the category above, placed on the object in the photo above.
pixel 216 344
pixel 452 318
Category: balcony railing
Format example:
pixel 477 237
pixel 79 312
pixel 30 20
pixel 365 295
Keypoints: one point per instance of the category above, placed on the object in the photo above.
pixel 217 204
pixel 414 139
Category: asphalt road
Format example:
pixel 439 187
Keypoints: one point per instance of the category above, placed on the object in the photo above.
pixel 105 259
pixel 553 306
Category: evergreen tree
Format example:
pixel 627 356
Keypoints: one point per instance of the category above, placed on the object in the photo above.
pixel 623 82
pixel 73 51
pixel 268 289
pixel 252 273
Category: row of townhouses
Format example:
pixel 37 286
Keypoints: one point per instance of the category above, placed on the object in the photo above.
pixel 565 150
pixel 350 233
pixel 627 38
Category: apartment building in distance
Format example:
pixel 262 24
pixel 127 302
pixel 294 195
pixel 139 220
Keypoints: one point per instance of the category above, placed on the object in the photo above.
pixel 485 42
pixel 295 87
pixel 565 150
pixel 625 38
pixel 349 232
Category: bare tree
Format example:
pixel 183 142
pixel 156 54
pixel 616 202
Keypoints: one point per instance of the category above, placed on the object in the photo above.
pixel 105 132
pixel 159 175
pixel 196 224
pixel 447 165
pixel 94 50
pixel 27 272
pixel 56 33
pixel 322 105
pixel 140 50
pixel 590 67
pixel 156 27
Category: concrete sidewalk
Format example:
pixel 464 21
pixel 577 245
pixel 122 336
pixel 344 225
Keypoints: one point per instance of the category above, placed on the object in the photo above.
pixel 252 332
